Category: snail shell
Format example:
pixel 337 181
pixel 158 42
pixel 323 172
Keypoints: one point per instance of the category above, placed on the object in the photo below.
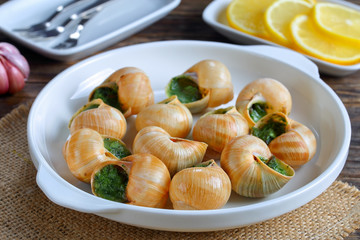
pixel 218 127
pixel 170 114
pixel 270 93
pixel 133 88
pixel 84 150
pixel 214 82
pixel 200 187
pixel 249 175
pixel 146 184
pixel 100 117
pixel 176 153
pixel 149 181
pixel 296 146
pixel 291 141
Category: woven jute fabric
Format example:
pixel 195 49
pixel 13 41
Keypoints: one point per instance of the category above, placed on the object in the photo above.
pixel 26 213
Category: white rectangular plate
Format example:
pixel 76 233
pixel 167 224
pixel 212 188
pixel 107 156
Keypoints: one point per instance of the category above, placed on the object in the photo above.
pixel 117 21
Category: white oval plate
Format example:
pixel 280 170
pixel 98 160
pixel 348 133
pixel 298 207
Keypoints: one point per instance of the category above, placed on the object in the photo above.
pixel 214 16
pixel 314 104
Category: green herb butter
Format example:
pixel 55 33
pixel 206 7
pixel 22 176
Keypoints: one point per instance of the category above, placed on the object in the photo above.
pixel 90 106
pixel 108 95
pixel 277 165
pixel 258 111
pixel 117 148
pixel 273 128
pixel 110 183
pixel 184 88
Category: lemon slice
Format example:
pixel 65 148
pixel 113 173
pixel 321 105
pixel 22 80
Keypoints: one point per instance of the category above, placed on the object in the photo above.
pixel 320 45
pixel 340 21
pixel 279 15
pixel 248 16
pixel 311 1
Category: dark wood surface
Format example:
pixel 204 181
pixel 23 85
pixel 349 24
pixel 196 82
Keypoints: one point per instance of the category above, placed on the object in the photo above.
pixel 184 23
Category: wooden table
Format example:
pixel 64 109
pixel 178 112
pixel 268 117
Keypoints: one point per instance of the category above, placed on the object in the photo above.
pixel 184 23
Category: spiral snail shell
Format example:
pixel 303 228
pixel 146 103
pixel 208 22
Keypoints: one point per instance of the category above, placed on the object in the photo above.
pixel 263 96
pixel 176 153
pixel 127 89
pixel 218 127
pixel 86 148
pixel 205 84
pixel 288 140
pixel 169 114
pixel 100 117
pixel 252 169
pixel 204 186
pixel 139 179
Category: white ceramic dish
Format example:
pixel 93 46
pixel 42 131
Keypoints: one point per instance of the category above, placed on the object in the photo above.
pixel 314 104
pixel 214 16
pixel 117 21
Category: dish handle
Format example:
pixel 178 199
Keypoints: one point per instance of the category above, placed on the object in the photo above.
pixel 288 56
pixel 64 194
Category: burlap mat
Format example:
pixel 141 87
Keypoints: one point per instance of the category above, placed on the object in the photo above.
pixel 26 213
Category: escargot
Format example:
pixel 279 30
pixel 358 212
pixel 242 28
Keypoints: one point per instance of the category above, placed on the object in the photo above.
pixel 204 186
pixel 205 84
pixel 263 96
pixel 218 127
pixel 176 153
pixel 86 148
pixel 127 89
pixel 101 117
pixel 138 179
pixel 169 114
pixel 289 140
pixel 252 168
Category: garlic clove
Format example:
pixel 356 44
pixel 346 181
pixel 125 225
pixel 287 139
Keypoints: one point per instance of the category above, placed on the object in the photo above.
pixel 15 77
pixel 13 55
pixel 4 82
pixel 14 66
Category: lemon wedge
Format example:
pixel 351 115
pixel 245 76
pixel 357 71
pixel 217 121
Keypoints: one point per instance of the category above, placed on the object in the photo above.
pixel 248 16
pixel 279 15
pixel 311 40
pixel 340 21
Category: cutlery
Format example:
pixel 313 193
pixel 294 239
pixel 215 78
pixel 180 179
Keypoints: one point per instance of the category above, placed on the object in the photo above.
pixel 57 30
pixel 48 22
pixel 73 38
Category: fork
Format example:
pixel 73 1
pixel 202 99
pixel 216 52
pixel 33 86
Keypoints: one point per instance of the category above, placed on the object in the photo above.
pixel 48 21
pixel 57 30
pixel 73 38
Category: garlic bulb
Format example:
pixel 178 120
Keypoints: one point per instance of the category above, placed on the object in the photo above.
pixel 14 69
pixel 204 186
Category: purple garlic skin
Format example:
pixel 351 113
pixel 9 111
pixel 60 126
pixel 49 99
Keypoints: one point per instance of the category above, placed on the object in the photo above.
pixel 14 69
